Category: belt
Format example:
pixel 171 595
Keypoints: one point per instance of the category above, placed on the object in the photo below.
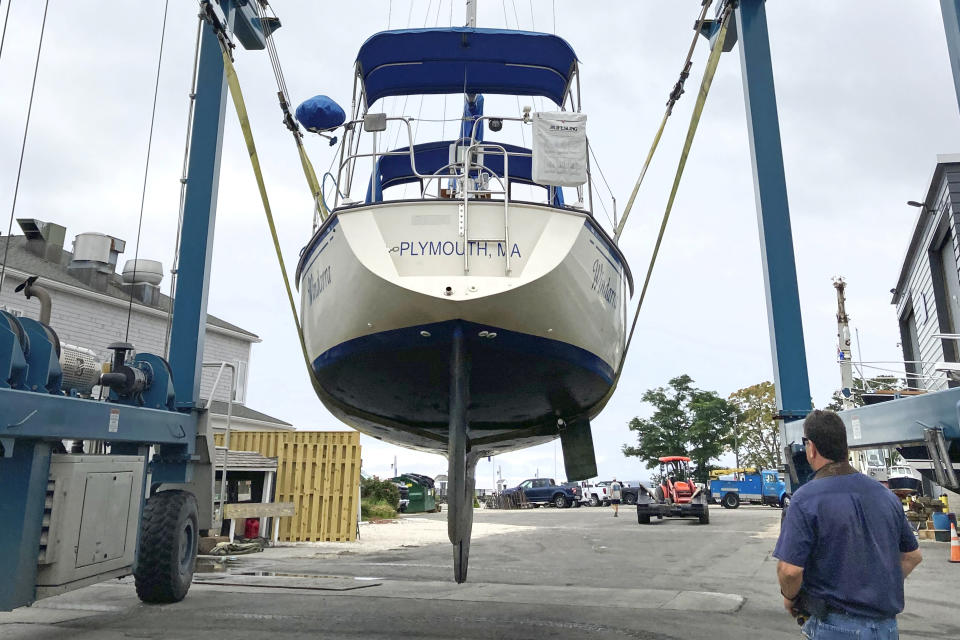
pixel 819 607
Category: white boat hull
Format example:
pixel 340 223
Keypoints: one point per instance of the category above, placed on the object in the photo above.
pixel 385 287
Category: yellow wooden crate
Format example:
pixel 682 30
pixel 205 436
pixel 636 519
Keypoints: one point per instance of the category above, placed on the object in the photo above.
pixel 319 472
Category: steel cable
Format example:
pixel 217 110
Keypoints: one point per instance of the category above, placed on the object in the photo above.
pixel 320 210
pixel 706 82
pixel 23 145
pixel 675 94
pixel 183 186
pixel 146 168
pixel 6 19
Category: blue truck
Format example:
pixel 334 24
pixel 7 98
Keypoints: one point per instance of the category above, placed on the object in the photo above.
pixel 752 487
pixel 539 491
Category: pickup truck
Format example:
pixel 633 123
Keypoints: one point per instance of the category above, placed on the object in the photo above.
pixel 545 491
pixel 630 492
pixel 597 494
pixel 764 487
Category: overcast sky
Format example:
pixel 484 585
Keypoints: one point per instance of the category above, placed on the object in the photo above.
pixel 866 101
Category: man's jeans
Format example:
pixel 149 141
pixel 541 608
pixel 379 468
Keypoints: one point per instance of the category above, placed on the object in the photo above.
pixel 839 626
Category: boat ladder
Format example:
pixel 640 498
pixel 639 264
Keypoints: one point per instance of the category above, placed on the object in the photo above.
pixel 473 189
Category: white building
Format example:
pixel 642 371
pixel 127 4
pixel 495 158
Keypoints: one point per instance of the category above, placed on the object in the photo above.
pixel 90 303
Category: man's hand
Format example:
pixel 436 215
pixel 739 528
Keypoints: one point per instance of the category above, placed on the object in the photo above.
pixel 788 605
pixel 790 578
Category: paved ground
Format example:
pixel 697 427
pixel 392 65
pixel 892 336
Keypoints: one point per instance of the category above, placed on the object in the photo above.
pixel 539 573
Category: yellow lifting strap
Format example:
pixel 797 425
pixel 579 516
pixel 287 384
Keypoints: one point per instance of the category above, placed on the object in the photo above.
pixel 311 176
pixel 241 108
pixel 705 85
pixel 674 96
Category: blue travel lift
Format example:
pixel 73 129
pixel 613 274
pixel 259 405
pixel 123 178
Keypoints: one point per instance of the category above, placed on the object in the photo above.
pixel 37 414
pixel 67 521
pixel 926 425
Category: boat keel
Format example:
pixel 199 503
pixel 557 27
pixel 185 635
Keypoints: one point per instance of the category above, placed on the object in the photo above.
pixel 462 464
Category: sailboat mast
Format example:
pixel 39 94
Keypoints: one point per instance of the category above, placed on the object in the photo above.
pixel 472 102
pixel 471 13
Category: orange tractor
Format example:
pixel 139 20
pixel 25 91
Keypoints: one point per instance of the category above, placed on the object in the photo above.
pixel 677 496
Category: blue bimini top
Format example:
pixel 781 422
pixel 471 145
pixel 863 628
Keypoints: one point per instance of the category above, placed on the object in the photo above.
pixel 465 60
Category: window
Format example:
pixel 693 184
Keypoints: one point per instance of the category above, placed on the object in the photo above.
pixel 946 290
pixel 910 343
pixel 241 394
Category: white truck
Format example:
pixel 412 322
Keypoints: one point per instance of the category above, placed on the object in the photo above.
pixel 596 494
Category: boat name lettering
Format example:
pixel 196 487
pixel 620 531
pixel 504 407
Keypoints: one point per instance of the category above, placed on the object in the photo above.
pixel 560 127
pixel 602 285
pixel 450 248
pixel 317 282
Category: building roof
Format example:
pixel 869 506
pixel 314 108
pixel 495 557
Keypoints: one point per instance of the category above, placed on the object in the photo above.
pixel 244 412
pixel 21 259
pixel 245 461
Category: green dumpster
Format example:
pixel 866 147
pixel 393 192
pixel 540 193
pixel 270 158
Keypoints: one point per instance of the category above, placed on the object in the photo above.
pixel 422 492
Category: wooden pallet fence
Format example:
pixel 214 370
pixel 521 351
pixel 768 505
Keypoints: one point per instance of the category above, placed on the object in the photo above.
pixel 319 472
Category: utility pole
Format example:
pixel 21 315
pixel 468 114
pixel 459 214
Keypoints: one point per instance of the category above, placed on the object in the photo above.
pixel 844 353
pixel 736 442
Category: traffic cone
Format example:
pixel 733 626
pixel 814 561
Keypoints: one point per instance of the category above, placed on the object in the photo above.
pixel 954 544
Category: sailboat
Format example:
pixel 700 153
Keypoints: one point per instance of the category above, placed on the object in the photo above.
pixel 486 311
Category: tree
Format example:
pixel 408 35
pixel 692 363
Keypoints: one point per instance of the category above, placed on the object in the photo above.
pixel 686 421
pixel 861 386
pixel 756 435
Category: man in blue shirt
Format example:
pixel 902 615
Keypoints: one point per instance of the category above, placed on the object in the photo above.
pixel 845 545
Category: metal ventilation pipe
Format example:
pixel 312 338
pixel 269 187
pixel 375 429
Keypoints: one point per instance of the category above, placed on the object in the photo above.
pixel 32 290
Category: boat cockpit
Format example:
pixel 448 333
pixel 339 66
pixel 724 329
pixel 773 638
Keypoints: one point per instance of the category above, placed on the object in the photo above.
pixel 470 64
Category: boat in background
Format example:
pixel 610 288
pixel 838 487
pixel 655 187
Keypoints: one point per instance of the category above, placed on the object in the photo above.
pixel 903 481
pixel 486 312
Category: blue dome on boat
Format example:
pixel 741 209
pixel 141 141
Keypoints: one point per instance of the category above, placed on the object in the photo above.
pixel 320 113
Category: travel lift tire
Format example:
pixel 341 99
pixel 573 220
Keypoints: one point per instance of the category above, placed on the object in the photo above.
pixel 730 500
pixel 167 554
pixel 643 519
